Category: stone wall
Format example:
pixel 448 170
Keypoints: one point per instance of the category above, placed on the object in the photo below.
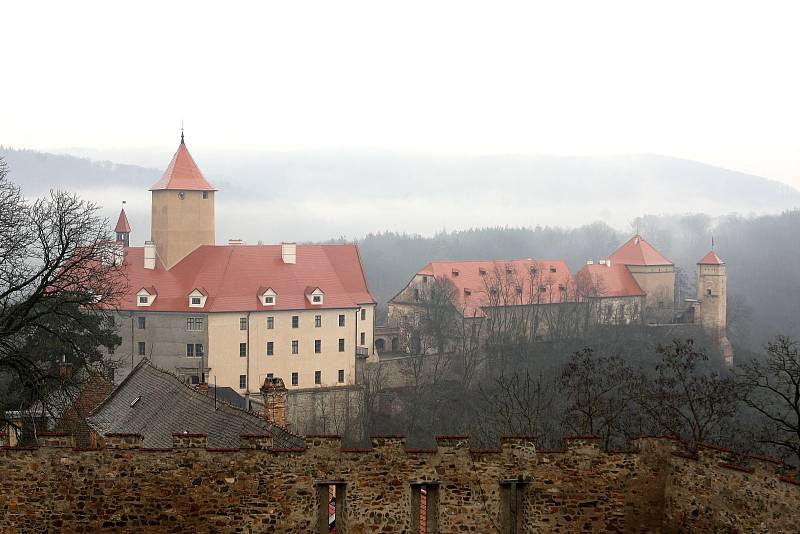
pixel 656 488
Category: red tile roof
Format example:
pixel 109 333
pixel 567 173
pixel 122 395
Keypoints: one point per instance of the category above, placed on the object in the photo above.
pixel 234 275
pixel 476 278
pixel 183 174
pixel 637 251
pixel 613 280
pixel 711 259
pixel 122 223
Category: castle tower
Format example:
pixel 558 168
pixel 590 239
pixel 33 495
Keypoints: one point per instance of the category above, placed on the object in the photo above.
pixel 712 294
pixel 182 209
pixel 654 273
pixel 123 229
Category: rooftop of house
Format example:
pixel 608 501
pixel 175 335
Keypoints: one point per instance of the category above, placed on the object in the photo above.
pixel 157 404
pixel 123 226
pixel 232 277
pixel 183 174
pixel 604 280
pixel 538 281
pixel 637 251
pixel 711 259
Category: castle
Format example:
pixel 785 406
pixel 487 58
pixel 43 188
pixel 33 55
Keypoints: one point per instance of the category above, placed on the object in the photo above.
pixel 237 314
pixel 636 284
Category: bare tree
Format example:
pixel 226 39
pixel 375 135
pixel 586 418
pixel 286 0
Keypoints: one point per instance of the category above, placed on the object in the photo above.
pixel 518 404
pixel 772 389
pixel 596 398
pixel 59 279
pixel 683 400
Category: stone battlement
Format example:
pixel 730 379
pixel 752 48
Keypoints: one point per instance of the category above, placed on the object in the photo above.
pixel 656 486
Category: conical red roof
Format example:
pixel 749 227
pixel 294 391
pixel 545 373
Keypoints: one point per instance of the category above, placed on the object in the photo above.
pixel 123 227
pixel 183 174
pixel 637 251
pixel 711 259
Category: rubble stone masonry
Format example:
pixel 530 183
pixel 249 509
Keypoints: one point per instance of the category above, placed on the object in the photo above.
pixel 658 487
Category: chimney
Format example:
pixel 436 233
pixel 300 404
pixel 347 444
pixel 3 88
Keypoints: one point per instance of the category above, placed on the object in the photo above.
pixel 289 252
pixel 64 368
pixel 202 387
pixel 274 393
pixel 149 255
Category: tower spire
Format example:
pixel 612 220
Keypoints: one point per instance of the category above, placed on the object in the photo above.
pixel 182 133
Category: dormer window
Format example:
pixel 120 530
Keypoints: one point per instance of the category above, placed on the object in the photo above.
pixel 146 296
pixel 467 292
pixel 197 298
pixel 552 268
pixel 315 295
pixel 562 287
pixel 542 289
pixel 268 296
pixel 455 272
pixel 481 271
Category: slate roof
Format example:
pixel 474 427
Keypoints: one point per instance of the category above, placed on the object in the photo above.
pixel 637 251
pixel 166 405
pixel 232 276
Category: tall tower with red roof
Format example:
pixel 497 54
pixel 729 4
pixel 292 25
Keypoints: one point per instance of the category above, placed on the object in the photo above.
pixel 182 209
pixel 654 273
pixel 123 229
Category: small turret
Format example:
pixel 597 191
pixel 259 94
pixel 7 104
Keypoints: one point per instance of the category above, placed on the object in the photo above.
pixel 712 296
pixel 123 229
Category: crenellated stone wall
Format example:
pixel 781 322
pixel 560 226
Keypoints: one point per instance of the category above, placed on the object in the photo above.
pixel 656 487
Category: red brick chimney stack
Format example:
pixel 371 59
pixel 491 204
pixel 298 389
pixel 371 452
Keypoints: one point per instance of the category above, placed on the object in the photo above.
pixel 274 394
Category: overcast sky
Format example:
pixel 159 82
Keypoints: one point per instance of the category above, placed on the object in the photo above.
pixel 714 81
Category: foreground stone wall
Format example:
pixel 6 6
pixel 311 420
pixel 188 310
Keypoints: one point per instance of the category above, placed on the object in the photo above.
pixel 656 488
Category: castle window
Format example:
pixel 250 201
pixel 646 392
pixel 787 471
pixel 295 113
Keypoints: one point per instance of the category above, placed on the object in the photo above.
pixel 270 323
pixel 269 299
pixel 708 291
pixel 242 350
pixel 295 346
pixel 363 314
pixel 194 324
pixel 270 348
pixel 511 504
pixel 198 349
pixel 205 195
pixel 242 381
pixel 542 289
pixel 141 322
pixel 341 344
pixel 481 271
pixel 316 298
pixel 425 508
pixel 363 338
pixel 455 272
pixel 190 350
pixel 552 268
pixel 341 319
pixel 331 499
pixel 243 323
pixel 341 376
pixel 317 346
pixel 144 299
pixel 317 321
pixel 416 294
pixel 295 321
pixel 141 347
pixel 295 381
pixel 195 301
pixel 318 377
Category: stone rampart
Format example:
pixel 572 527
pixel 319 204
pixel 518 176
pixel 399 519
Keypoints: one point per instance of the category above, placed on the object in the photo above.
pixel 656 487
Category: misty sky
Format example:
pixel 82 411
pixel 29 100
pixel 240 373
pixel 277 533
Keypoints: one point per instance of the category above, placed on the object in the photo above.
pixel 712 81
